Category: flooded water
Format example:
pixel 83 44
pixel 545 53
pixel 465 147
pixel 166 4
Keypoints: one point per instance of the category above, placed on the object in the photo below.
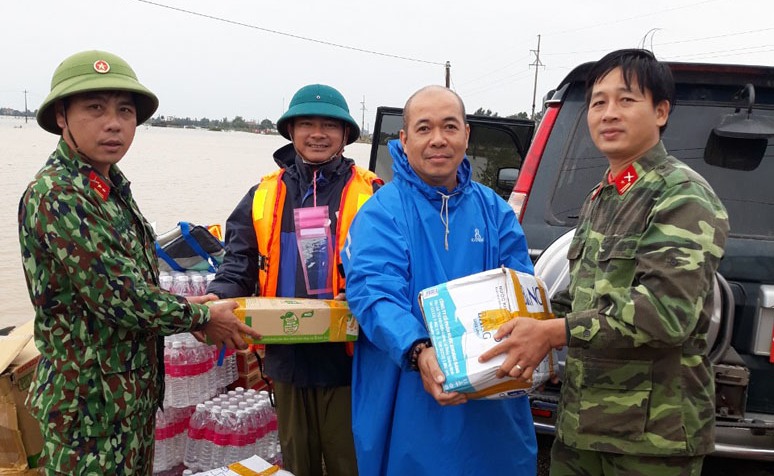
pixel 177 175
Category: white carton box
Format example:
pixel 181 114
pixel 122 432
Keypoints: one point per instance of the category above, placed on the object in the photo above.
pixel 462 317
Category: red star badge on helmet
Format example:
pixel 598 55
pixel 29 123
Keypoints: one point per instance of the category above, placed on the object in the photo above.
pixel 101 66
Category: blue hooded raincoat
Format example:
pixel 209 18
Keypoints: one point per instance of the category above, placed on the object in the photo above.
pixel 399 244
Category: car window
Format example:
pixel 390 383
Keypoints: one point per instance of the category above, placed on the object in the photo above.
pixel 739 170
pixel 492 146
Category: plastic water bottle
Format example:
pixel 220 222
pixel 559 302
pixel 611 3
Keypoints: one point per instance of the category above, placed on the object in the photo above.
pixel 165 281
pixel 232 367
pixel 164 457
pixel 238 438
pixel 181 285
pixel 272 435
pixel 253 428
pixel 224 422
pixel 210 375
pixel 198 285
pixel 196 428
pixel 204 365
pixel 261 430
pixel 178 377
pixel 207 446
pixel 180 425
pixel 159 443
pixel 170 361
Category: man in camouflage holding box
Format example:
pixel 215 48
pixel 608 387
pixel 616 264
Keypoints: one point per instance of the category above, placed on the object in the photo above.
pixel 89 260
pixel 638 393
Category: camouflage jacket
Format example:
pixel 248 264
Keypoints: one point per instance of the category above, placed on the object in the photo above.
pixel 638 380
pixel 89 260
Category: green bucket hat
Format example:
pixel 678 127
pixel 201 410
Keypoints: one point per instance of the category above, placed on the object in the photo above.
pixel 94 71
pixel 322 101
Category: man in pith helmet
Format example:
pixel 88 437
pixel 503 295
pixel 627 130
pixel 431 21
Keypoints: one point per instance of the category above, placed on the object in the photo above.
pixel 91 269
pixel 268 253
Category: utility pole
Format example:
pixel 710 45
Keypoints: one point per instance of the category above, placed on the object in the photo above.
pixel 362 121
pixel 25 107
pixel 536 64
pixel 448 74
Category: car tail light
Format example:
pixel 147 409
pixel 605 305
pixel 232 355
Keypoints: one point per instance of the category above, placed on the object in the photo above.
pixel 541 413
pixel 520 193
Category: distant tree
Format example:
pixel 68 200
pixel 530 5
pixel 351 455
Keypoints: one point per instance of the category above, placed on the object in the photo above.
pixel 520 115
pixel 239 123
pixel 267 124
pixel 524 115
pixel 484 112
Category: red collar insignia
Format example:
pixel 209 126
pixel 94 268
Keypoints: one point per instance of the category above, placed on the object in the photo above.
pixel 98 185
pixel 625 179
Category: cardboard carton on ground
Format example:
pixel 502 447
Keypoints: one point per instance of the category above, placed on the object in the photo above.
pixel 462 317
pixel 254 465
pixel 254 380
pixel 20 437
pixel 246 361
pixel 296 320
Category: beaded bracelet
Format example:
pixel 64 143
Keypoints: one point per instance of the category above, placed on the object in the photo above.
pixel 416 349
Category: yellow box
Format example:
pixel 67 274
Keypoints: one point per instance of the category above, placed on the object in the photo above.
pixel 296 320
pixel 462 317
pixel 20 437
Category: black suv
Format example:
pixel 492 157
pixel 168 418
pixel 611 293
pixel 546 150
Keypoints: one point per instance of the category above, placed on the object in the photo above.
pixel 721 126
pixel 496 147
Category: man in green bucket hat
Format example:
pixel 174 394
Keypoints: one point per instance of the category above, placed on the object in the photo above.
pixel 283 239
pixel 89 259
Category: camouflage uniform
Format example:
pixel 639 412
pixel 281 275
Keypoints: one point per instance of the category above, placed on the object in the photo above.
pixel 638 380
pixel 91 270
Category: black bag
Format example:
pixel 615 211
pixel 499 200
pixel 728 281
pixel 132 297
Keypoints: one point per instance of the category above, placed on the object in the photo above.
pixel 189 247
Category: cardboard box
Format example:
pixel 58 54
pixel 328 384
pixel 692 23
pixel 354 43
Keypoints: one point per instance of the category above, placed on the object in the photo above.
pixel 20 437
pixel 252 380
pixel 246 361
pixel 296 320
pixel 462 317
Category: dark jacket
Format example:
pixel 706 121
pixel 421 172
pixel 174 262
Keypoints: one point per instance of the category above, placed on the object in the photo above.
pixel 304 365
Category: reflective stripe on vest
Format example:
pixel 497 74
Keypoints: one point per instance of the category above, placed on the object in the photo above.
pixel 268 205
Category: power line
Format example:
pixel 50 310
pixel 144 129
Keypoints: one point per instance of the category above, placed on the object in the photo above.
pixel 621 20
pixel 590 27
pixel 747 32
pixel 291 35
pixel 497 83
pixel 722 53
pixel 487 75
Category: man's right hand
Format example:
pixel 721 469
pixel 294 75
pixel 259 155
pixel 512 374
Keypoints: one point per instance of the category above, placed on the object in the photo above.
pixel 224 328
pixel 433 379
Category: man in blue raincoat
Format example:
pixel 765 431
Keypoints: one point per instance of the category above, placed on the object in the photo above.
pixel 431 224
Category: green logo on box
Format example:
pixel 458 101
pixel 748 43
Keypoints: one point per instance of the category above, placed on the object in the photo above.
pixel 289 323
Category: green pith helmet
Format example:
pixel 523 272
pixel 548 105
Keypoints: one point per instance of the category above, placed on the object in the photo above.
pixel 318 100
pixel 94 71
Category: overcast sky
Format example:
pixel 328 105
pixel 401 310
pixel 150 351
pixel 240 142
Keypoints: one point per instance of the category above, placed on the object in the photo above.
pixel 238 57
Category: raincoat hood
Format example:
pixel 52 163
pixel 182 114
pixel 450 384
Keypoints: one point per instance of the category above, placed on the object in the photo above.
pixel 402 170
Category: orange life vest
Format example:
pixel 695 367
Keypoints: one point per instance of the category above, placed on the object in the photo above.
pixel 268 205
